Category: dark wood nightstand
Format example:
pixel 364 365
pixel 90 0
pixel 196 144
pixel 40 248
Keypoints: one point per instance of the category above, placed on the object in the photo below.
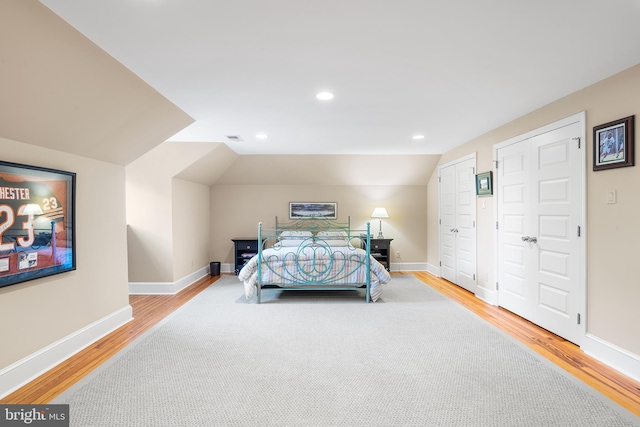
pixel 244 249
pixel 381 251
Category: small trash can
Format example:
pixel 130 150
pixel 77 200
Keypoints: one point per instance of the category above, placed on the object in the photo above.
pixel 214 268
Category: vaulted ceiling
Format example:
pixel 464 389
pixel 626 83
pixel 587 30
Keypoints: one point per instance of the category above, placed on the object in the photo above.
pixel 133 74
pixel 447 70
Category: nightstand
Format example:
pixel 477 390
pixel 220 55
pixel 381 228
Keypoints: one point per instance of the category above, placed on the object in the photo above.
pixel 244 249
pixel 381 251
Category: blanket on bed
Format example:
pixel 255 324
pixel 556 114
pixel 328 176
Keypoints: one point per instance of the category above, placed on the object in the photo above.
pixel 313 266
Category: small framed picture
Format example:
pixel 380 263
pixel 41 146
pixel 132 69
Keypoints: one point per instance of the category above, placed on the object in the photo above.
pixel 483 184
pixel 613 144
pixel 307 210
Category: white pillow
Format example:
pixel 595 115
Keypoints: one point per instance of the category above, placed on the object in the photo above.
pixel 294 238
pixel 294 242
pixel 334 238
pixel 337 233
pixel 288 234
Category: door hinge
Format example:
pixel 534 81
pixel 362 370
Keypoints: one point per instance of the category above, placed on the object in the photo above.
pixel 497 286
pixel 496 163
pixel 577 138
pixel 439 179
pixel 474 277
pixel 578 231
pixel 440 221
pixel 440 263
pixel 474 224
pixel 578 318
pixel 473 170
pixel 496 225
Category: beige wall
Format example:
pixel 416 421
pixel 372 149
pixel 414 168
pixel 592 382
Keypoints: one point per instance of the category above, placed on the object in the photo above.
pixel 191 222
pixel 613 231
pixel 156 250
pixel 237 209
pixel 150 236
pixel 40 312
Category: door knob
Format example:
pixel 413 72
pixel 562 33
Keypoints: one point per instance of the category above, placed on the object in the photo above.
pixel 526 238
pixel 533 239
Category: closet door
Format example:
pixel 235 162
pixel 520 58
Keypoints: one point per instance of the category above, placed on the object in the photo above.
pixel 465 228
pixel 540 204
pixel 457 223
pixel 448 265
pixel 516 262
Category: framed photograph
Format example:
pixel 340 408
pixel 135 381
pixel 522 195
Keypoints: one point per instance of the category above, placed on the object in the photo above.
pixel 613 144
pixel 484 186
pixel 37 222
pixel 307 210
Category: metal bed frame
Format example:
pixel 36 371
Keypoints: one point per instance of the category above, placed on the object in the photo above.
pixel 316 273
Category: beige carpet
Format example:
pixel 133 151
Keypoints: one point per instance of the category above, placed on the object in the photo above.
pixel 328 359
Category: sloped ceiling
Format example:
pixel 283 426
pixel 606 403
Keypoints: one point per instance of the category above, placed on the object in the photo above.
pixel 218 164
pixel 60 91
pixel 209 167
pixel 449 70
pixel 330 170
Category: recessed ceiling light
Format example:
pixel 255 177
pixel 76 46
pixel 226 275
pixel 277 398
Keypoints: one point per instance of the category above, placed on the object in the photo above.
pixel 417 137
pixel 324 96
pixel 261 136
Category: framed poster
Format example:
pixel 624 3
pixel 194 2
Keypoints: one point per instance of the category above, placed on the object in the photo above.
pixel 306 210
pixel 613 144
pixel 37 222
pixel 483 184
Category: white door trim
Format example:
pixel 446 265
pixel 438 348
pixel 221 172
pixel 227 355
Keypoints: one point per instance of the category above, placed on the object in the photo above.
pixel 458 160
pixel 579 118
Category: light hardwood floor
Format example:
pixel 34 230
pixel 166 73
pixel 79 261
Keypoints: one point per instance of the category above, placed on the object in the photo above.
pixel 148 310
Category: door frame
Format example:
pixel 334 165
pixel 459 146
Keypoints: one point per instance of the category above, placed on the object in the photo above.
pixel 579 118
pixel 471 156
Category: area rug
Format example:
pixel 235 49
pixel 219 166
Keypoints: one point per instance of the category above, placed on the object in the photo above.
pixel 302 358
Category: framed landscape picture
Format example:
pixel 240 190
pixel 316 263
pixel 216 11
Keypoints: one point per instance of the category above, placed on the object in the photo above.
pixel 308 210
pixel 613 144
pixel 37 222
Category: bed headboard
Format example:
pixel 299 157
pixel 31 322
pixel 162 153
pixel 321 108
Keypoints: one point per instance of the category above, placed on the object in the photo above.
pixel 313 224
pixel 316 229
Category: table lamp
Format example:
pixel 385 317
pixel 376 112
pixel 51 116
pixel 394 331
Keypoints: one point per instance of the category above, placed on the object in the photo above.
pixel 380 213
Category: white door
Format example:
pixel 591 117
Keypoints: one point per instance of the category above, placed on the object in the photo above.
pixel 540 202
pixel 448 265
pixel 465 228
pixel 458 222
pixel 515 260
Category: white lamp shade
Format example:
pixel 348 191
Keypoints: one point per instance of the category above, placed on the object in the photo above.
pixel 379 213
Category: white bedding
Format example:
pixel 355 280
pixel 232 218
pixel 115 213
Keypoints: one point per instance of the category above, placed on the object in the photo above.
pixel 286 264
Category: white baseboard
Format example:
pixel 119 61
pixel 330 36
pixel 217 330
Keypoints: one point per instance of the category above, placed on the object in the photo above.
pixel 29 368
pixel 167 288
pixel 490 296
pixel 433 269
pixel 616 357
pixel 408 266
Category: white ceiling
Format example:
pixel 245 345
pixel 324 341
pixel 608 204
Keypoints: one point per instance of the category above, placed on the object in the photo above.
pixel 448 69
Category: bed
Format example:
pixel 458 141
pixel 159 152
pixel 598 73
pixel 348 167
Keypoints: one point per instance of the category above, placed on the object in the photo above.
pixel 313 254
